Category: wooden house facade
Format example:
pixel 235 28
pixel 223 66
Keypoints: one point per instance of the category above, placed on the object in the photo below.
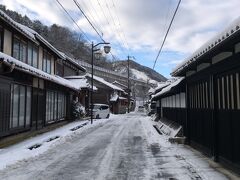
pixel 110 94
pixel 212 87
pixel 32 92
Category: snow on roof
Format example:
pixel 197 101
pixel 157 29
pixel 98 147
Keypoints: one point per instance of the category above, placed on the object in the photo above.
pixel 85 64
pixel 100 104
pixel 16 26
pixel 76 63
pixel 116 82
pixel 40 38
pixel 28 32
pixel 162 85
pixel 122 98
pixel 81 81
pixel 114 97
pixel 101 80
pixel 37 72
pixel 151 90
pixel 44 41
pixel 66 57
pixel 169 87
pixel 216 40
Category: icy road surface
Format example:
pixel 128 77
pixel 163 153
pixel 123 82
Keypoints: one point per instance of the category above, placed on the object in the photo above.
pixel 124 148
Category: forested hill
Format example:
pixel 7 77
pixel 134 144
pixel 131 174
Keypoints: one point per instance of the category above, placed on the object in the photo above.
pixel 139 71
pixel 74 45
pixel 65 40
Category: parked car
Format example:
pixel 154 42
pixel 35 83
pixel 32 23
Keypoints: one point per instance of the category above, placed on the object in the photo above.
pixel 151 108
pixel 140 109
pixel 101 111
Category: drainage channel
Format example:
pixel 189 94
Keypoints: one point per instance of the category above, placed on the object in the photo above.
pixel 52 138
pixel 78 127
pixel 35 146
pixel 159 132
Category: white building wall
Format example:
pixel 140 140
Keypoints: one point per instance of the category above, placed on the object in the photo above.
pixel 175 101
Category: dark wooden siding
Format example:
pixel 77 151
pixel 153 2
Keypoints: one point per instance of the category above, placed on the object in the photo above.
pixel 228 115
pixel 5 99
pixel 177 115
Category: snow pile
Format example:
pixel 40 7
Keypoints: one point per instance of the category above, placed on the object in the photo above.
pixel 37 72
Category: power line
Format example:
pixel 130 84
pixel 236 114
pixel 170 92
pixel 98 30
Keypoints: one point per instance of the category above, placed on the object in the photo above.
pixel 91 17
pixel 113 30
pixel 92 25
pixel 115 25
pixel 73 20
pixel 121 29
pixel 78 5
pixel 79 27
pixel 160 50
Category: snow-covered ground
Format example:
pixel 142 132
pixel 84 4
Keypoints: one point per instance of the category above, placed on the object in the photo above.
pixel 21 151
pixel 123 147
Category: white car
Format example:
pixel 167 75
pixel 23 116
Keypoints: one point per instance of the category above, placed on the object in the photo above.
pixel 101 111
pixel 140 108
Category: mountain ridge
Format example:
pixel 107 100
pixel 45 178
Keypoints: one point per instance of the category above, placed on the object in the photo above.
pixel 138 71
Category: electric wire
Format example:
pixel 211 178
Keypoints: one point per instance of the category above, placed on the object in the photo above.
pixel 79 7
pixel 121 29
pixel 73 20
pixel 160 50
pixel 77 4
pixel 114 58
pixel 91 17
pixel 104 14
pixel 113 20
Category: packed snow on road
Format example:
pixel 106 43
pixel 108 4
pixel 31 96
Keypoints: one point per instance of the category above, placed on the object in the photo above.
pixel 121 147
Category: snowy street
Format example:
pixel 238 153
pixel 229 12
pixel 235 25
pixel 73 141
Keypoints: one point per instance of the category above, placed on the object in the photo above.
pixel 124 147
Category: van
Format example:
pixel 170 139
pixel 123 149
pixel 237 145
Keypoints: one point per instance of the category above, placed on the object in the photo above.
pixel 101 111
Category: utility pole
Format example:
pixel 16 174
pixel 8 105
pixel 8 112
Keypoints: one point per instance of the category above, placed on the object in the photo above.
pixel 92 85
pixel 128 86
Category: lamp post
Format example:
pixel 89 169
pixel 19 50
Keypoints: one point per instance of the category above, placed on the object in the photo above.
pixel 106 50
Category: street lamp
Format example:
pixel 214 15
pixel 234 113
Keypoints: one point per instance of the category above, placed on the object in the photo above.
pixel 107 49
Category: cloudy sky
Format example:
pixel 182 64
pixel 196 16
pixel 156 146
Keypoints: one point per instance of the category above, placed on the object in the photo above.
pixel 137 27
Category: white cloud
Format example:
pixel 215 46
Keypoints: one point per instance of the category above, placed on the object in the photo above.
pixel 143 22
